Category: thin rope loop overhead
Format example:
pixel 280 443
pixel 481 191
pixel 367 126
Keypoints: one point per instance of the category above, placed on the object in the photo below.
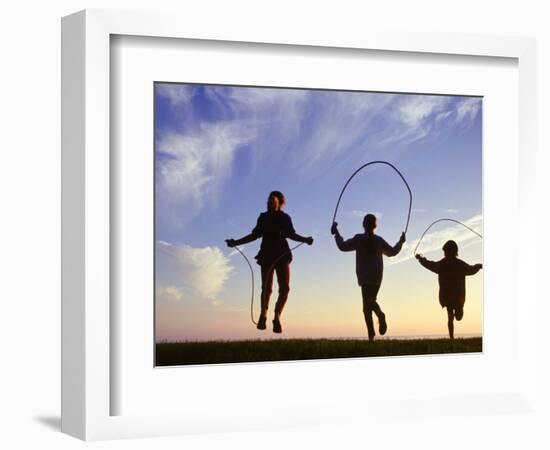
pixel 442 220
pixel 370 164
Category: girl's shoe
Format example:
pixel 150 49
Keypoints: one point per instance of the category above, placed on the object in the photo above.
pixel 261 323
pixel 277 326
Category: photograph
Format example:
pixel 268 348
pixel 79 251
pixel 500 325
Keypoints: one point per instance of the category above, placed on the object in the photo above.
pixel 296 223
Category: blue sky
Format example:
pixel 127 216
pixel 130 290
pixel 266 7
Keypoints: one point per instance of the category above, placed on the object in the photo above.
pixel 220 150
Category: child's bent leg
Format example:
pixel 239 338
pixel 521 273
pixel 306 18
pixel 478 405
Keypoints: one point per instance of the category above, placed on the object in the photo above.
pixel 450 324
pixel 367 310
pixel 371 294
pixel 283 280
pixel 376 309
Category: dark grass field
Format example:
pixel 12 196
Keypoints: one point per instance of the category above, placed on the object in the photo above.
pixel 212 352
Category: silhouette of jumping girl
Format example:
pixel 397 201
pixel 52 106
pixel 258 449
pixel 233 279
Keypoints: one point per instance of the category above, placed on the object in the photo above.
pixel 274 227
pixel 369 267
pixel 451 272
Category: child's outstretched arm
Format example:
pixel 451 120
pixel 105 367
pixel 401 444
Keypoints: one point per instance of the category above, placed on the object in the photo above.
pixel 298 238
pixel 256 233
pixel 472 270
pixel 388 250
pixel 430 265
pixel 344 245
pixel 244 240
pixel 290 233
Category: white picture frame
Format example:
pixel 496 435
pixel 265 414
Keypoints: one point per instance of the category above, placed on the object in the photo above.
pixel 86 221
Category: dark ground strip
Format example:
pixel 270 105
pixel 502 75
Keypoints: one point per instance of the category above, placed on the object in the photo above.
pixel 212 352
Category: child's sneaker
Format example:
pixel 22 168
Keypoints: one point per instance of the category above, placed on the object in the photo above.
pixel 277 328
pixel 459 313
pixel 382 325
pixel 261 325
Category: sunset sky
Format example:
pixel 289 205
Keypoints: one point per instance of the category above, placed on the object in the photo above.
pixel 220 150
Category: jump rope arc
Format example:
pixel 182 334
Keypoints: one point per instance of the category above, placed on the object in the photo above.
pixel 442 220
pixel 252 278
pixel 370 164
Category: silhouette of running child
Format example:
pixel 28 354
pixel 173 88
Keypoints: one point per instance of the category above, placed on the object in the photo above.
pixel 274 227
pixel 369 267
pixel 451 272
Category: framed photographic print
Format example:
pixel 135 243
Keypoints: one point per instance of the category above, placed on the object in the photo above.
pixel 249 206
pixel 223 152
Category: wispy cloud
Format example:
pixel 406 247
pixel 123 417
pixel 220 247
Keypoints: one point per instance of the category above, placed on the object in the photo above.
pixel 434 240
pixel 194 272
pixel 467 109
pixel 413 118
pixel 415 110
pixel 423 116
pixel 168 294
pixel 342 125
pixel 192 168
pixel 307 127
pixel 442 116
pixel 178 94
pixel 361 213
